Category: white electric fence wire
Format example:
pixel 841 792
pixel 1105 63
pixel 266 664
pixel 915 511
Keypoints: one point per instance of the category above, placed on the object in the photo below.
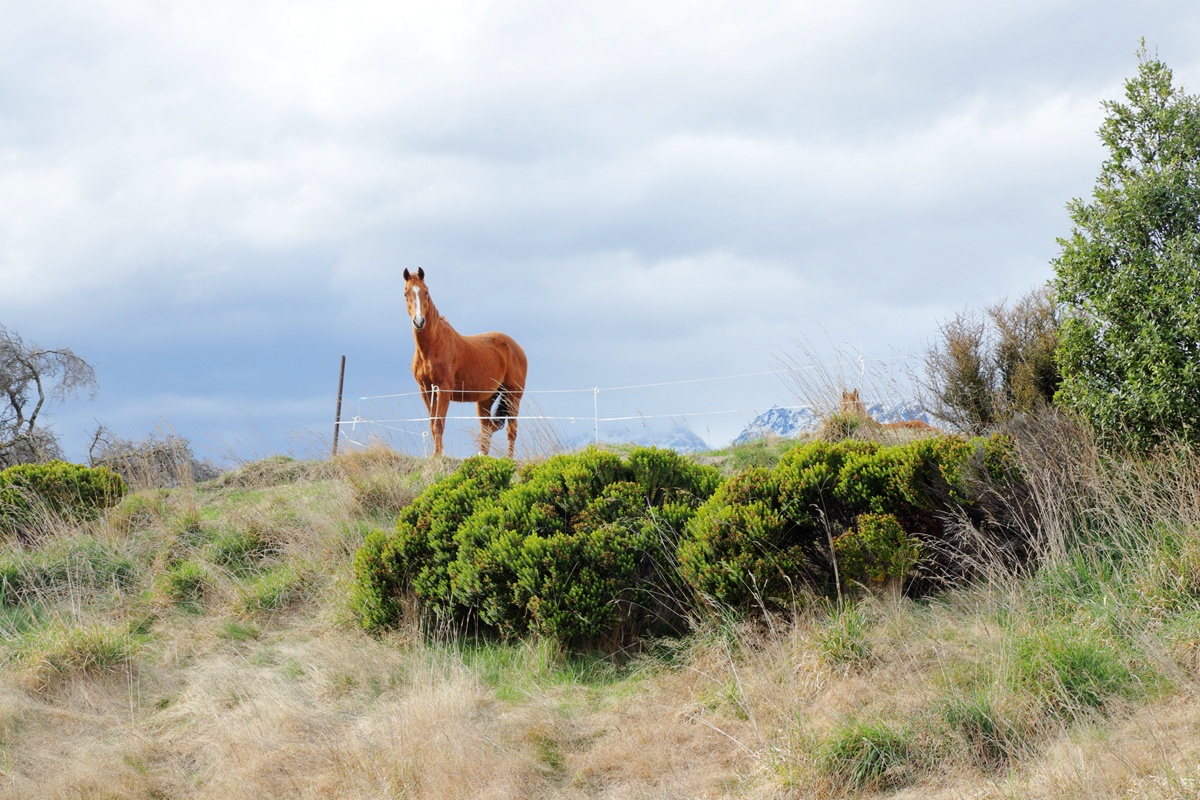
pixel 861 361
pixel 389 422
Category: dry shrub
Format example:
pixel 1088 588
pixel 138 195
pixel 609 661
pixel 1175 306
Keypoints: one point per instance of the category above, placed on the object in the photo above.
pixel 1151 754
pixel 820 381
pixel 1083 494
pixel 832 389
pixel 540 439
pixel 158 460
pixel 275 471
pixel 383 481
pixel 992 366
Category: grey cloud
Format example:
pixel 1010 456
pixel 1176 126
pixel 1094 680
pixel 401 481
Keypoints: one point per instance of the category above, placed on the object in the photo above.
pixel 216 200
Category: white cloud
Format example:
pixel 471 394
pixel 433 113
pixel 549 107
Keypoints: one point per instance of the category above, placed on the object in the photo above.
pixel 714 179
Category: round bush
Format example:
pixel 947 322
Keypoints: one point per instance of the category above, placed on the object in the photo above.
pixel 739 550
pixel 875 550
pixel 72 491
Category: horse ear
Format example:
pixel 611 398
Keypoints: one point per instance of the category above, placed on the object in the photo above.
pixel 421 273
pixel 406 275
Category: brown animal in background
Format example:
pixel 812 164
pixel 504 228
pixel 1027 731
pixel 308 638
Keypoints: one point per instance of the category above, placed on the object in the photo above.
pixel 853 405
pixel 487 369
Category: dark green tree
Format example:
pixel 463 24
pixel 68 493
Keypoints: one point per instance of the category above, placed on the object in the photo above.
pixel 1128 276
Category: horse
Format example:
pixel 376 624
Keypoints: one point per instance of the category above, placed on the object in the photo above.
pixel 487 369
pixel 852 405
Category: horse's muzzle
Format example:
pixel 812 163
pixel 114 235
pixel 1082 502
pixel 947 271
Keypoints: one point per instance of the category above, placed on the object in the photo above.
pixel 419 323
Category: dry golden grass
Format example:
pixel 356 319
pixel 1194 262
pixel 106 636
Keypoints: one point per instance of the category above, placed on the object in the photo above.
pixel 237 697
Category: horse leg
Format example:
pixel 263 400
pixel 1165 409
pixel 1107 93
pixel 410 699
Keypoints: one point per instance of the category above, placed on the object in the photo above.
pixel 437 418
pixel 427 396
pixel 487 425
pixel 510 404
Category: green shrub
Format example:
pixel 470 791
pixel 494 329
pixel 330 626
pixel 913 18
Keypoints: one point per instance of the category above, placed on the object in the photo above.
pixel 68 490
pixel 572 548
pixel 379 580
pixel 667 477
pixel 571 551
pixel 424 544
pixel 875 550
pixel 739 551
pixel 416 558
pixel 765 535
pixel 583 585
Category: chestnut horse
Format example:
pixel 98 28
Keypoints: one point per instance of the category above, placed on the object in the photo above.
pixel 481 369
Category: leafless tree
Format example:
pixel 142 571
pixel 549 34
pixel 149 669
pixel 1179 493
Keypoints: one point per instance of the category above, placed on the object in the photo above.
pixel 29 376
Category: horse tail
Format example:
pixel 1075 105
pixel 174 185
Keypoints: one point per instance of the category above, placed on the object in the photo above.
pixel 503 410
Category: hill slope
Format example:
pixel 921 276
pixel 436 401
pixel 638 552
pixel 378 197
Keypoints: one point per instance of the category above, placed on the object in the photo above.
pixel 197 643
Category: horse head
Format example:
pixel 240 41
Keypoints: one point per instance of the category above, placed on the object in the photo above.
pixel 851 404
pixel 416 298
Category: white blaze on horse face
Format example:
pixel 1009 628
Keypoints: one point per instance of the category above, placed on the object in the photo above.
pixel 418 319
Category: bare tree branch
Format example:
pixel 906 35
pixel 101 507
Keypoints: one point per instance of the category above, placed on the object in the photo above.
pixel 29 376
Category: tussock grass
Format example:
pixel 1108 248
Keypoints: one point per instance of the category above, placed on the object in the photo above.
pixel 197 642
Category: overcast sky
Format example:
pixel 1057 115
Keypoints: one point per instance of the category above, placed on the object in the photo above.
pixel 213 201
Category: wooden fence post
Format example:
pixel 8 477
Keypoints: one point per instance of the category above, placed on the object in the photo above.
pixel 337 420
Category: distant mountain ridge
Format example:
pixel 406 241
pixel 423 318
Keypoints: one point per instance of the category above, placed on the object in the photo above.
pixel 788 422
pixel 676 436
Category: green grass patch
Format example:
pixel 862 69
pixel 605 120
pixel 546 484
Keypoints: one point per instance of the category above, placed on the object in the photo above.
pixel 186 584
pixel 70 566
pixel 992 739
pixel 238 631
pixel 842 638
pixel 241 551
pixel 870 756
pixel 276 589
pixel 62 649
pixel 1073 670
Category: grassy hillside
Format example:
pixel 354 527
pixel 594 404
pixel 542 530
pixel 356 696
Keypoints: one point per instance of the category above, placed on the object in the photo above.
pixel 199 642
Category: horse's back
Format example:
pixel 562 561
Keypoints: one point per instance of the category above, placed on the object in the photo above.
pixel 510 356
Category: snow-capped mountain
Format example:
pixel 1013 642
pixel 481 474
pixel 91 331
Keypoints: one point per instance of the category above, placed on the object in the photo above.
pixel 789 422
pixel 777 421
